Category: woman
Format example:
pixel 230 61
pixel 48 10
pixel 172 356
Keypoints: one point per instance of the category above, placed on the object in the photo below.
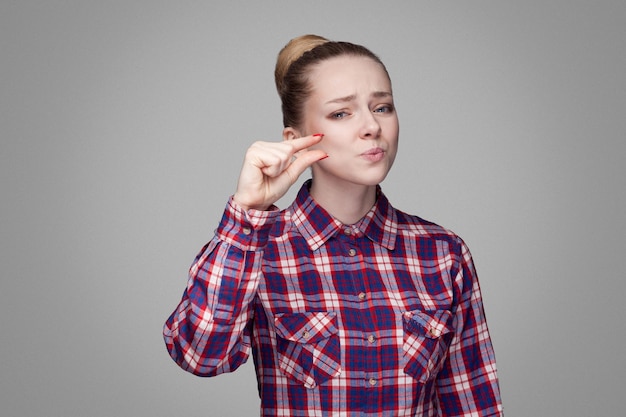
pixel 350 306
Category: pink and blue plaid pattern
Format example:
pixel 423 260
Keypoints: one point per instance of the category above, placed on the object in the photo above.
pixel 380 318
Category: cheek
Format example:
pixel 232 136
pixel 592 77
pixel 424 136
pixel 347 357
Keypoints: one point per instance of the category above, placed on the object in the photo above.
pixel 393 143
pixel 318 125
pixel 325 126
pixel 392 156
pixel 335 135
pixel 393 126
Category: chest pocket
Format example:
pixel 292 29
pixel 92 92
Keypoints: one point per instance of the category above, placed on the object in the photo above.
pixel 308 346
pixel 427 336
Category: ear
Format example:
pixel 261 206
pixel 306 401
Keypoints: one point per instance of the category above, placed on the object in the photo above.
pixel 290 133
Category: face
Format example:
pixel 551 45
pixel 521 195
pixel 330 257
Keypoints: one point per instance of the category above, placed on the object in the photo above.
pixel 352 105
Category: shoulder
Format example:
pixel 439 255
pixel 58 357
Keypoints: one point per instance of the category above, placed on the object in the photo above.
pixel 410 225
pixel 433 241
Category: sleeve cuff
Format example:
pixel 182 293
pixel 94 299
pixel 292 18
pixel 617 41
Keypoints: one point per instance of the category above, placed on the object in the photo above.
pixel 246 229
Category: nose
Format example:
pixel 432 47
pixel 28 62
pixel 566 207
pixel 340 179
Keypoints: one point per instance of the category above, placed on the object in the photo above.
pixel 370 128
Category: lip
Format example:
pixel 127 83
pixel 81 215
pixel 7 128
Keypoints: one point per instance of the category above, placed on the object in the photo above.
pixel 374 154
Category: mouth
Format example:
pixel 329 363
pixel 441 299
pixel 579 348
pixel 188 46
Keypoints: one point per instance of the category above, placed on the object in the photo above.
pixel 374 154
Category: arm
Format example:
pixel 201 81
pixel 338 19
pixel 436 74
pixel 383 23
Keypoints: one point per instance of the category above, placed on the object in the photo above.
pixel 468 383
pixel 207 334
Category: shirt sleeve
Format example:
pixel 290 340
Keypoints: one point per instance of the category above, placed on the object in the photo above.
pixel 468 384
pixel 208 334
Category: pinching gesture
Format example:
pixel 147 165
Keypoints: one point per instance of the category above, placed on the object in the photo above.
pixel 270 168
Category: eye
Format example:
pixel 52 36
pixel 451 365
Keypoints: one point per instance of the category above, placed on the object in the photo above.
pixel 339 114
pixel 386 108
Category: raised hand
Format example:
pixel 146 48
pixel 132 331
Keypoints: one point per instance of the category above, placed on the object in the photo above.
pixel 270 168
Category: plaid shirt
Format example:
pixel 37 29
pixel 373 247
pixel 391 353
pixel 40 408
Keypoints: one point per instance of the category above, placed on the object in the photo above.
pixel 380 318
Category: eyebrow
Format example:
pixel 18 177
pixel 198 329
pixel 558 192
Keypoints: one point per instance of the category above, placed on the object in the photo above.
pixel 351 97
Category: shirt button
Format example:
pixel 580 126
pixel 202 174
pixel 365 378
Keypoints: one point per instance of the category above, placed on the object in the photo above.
pixel 373 381
pixel 246 231
pixel 362 296
pixel 371 338
pixel 305 334
pixel 352 252
pixel 432 331
pixel 347 231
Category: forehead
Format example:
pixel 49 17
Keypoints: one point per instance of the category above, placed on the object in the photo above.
pixel 348 75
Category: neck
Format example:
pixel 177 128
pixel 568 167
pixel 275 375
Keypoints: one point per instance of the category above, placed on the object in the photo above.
pixel 347 203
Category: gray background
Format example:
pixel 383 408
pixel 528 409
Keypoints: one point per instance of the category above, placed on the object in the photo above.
pixel 124 124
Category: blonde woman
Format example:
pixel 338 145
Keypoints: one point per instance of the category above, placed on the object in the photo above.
pixel 348 306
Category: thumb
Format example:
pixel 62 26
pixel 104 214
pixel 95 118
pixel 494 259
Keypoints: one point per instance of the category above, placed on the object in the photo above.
pixel 303 161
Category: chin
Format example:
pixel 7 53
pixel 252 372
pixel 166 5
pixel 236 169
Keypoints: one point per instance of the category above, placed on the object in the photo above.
pixel 372 180
pixel 357 175
pixel 377 178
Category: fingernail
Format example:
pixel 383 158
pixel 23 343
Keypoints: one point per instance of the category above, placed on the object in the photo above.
pixel 318 134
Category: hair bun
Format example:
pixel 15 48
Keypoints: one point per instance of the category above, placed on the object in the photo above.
pixel 294 49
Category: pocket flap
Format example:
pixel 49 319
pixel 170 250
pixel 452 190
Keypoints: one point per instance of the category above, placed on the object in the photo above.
pixel 306 327
pixel 433 323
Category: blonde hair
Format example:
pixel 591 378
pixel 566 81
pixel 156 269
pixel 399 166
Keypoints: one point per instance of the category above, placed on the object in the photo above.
pixel 291 52
pixel 293 66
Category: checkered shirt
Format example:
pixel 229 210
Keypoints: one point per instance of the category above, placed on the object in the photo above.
pixel 380 318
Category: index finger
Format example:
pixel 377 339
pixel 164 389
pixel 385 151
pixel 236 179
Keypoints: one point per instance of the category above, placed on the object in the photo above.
pixel 305 141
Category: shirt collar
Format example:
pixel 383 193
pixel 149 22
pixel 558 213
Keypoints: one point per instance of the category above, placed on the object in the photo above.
pixel 316 225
